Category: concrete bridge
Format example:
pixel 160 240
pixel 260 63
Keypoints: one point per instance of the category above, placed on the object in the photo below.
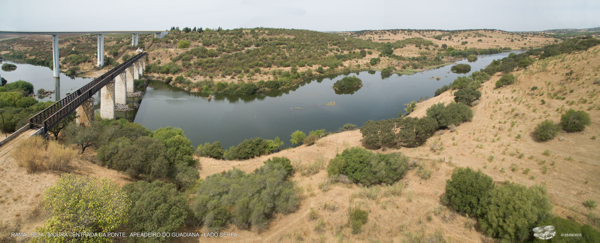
pixel 100 34
pixel 113 87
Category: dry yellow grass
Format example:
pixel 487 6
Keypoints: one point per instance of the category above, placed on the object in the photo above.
pixel 35 154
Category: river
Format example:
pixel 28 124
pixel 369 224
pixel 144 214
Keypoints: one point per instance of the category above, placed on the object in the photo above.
pixel 232 119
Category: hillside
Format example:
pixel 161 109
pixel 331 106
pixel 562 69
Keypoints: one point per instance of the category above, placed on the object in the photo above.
pixel 568 171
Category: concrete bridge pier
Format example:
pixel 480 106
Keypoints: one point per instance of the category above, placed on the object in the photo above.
pixel 129 73
pixel 142 66
pixel 85 113
pixel 121 89
pixel 55 57
pixel 136 70
pixel 100 54
pixel 134 39
pixel 107 101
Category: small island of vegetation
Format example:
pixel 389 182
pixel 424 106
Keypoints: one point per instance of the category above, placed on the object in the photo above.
pixel 8 67
pixel 348 83
pixel 461 68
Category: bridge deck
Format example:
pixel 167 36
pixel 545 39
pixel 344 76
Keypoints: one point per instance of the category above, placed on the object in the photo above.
pixel 8 147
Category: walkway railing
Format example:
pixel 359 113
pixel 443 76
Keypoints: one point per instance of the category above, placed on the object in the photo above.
pixel 52 115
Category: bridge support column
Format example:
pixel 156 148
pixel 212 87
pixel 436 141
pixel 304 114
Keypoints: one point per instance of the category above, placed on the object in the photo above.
pixel 55 57
pixel 107 101
pixel 100 50
pixel 129 73
pixel 121 89
pixel 136 70
pixel 85 113
pixel 134 39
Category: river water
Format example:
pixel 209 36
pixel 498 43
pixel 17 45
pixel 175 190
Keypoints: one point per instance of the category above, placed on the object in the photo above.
pixel 232 119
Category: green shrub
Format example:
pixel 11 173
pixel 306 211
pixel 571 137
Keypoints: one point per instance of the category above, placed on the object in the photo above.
pixel 26 102
pixel 506 79
pixel 23 86
pixel 575 121
pixel 336 166
pixel 273 145
pixel 358 217
pixel 368 168
pixel 453 114
pixel 157 207
pixel 247 200
pixel 214 150
pixel 590 234
pixel 183 44
pixel 310 139
pixel 349 126
pixel 375 61
pixel 463 82
pixel 168 79
pixel 466 189
pixel 284 161
pixel 248 149
pixel 80 204
pixel 347 83
pixel 414 131
pixel 145 157
pixel 461 68
pixel 441 90
pixel 466 96
pixel 472 58
pixel 546 130
pixel 298 137
pixel 379 133
pixel 125 57
pixel 510 211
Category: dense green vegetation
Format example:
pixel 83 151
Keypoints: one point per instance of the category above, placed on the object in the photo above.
pixel 466 189
pixel 8 67
pixel 15 105
pixel 575 121
pixel 509 211
pixel 546 130
pixel 368 168
pixel 467 95
pixel 163 154
pixel 347 83
pixel 506 79
pixel 461 68
pixel 247 149
pixel 413 132
pixel 452 114
pixel 358 218
pixel 156 207
pixel 83 205
pixel 245 200
pixel 472 58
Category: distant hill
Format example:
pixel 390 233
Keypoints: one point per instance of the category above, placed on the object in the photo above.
pixel 568 31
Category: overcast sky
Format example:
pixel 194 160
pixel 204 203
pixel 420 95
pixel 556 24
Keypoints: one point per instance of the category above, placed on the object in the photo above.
pixel 320 15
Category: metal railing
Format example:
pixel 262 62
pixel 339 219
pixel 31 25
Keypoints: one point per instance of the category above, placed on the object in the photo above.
pixel 15 134
pixel 52 115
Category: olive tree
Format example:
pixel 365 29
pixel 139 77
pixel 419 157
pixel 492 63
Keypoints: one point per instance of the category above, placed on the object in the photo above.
pixel 80 204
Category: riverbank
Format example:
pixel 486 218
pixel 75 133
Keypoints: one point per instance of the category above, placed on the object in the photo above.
pixel 489 143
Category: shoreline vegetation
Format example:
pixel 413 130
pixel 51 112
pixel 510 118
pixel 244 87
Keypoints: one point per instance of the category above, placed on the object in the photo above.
pixel 212 61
